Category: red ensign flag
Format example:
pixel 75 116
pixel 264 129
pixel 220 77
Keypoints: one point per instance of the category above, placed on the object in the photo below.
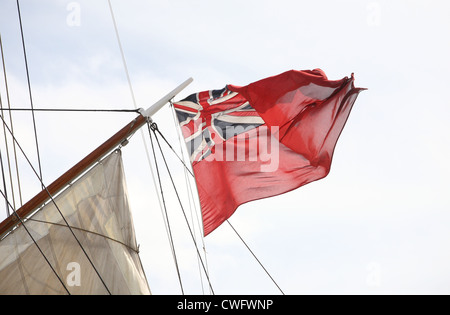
pixel 263 139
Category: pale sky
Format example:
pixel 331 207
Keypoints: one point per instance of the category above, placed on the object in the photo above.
pixel 378 224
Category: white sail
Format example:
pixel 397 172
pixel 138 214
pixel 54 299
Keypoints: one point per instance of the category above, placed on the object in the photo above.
pixel 96 208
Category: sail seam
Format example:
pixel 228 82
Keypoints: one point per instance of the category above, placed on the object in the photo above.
pixel 86 231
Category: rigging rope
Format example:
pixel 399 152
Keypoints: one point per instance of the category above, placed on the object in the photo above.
pixel 130 86
pixel 167 142
pixel 7 154
pixel 191 194
pixel 9 164
pixel 39 175
pixel 12 129
pixel 122 54
pixel 154 128
pixel 169 231
pixel 29 91
pixel 56 206
pixel 262 266
pixel 4 184
pixel 35 243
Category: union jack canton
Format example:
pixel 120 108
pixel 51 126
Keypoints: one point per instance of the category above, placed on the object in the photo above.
pixel 212 116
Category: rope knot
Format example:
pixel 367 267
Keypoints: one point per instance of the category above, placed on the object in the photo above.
pixel 154 127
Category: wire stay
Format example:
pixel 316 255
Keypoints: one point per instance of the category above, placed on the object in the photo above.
pixel 262 266
pixel 192 195
pixel 6 139
pixel 166 217
pixel 154 127
pixel 29 91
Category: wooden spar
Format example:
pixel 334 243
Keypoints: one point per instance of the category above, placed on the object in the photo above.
pixel 88 161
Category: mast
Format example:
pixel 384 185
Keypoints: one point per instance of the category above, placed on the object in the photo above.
pixel 109 145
